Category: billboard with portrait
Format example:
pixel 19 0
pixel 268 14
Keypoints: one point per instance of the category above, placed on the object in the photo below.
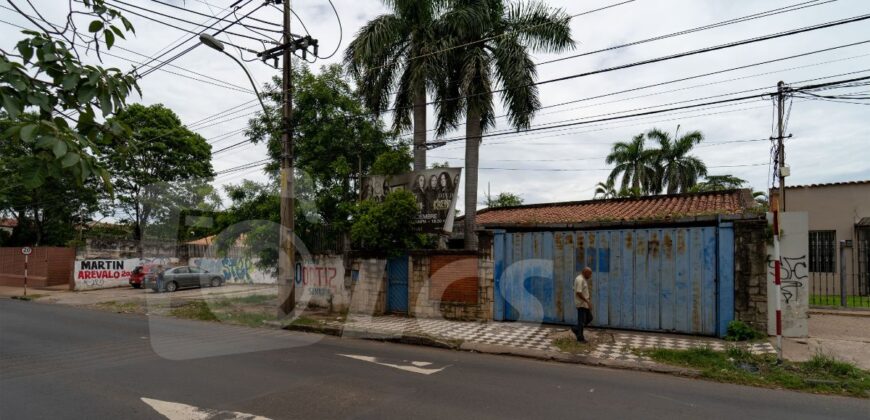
pixel 435 190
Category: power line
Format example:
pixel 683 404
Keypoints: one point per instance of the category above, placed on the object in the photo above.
pixel 501 35
pixel 216 82
pixel 181 20
pixel 698 76
pixel 599 169
pixel 747 18
pixel 668 57
pixel 722 101
pixel 210 16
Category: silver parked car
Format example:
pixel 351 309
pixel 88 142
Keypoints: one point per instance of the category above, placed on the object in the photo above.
pixel 184 277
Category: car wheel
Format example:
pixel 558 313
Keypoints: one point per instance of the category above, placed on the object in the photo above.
pixel 171 286
pixel 216 282
pixel 136 286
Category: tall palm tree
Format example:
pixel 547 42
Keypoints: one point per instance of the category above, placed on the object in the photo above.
pixel 395 54
pixel 678 171
pixel 605 190
pixel 635 163
pixel 490 43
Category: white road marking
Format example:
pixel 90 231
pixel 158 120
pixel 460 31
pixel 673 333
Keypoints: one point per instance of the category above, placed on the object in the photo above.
pixel 414 368
pixel 178 411
pixel 421 364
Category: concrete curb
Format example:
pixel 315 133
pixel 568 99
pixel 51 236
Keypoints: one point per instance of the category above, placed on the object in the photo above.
pixel 554 356
pixel 861 313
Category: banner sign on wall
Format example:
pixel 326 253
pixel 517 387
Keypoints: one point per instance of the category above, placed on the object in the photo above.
pixel 96 274
pixel 435 190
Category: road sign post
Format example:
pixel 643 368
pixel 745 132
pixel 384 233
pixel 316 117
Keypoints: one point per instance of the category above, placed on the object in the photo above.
pixel 26 251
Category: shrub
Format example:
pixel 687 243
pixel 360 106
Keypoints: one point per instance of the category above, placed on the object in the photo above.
pixel 741 331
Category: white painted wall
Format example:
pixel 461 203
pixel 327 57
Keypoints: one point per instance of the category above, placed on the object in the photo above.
pixel 794 244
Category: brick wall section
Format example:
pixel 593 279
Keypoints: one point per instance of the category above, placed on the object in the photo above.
pixel 750 273
pixel 47 266
pixel 453 278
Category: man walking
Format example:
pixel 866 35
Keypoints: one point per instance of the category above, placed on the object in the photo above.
pixel 582 302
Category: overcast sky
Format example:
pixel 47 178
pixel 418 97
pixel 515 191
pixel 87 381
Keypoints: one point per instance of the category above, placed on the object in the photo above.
pixel 829 143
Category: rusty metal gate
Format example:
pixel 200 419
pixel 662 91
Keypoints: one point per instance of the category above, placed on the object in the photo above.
pixel 663 279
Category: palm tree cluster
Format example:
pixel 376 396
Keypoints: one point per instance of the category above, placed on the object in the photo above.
pixel 459 53
pixel 668 168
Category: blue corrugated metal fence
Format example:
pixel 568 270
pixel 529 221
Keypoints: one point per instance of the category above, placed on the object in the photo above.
pixel 658 279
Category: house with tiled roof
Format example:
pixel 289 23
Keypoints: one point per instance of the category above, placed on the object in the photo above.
pixel 838 216
pixel 686 263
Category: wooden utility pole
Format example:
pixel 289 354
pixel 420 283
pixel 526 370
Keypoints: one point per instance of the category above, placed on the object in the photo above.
pixel 287 253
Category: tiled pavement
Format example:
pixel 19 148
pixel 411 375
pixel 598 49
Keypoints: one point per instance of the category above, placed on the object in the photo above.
pixel 539 337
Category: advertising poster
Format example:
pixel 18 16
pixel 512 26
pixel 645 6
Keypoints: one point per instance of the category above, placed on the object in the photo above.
pixel 435 190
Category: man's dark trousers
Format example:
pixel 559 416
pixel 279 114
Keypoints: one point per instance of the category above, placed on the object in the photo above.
pixel 584 317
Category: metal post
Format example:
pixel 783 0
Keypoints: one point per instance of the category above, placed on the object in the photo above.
pixel 843 299
pixel 286 257
pixel 26 258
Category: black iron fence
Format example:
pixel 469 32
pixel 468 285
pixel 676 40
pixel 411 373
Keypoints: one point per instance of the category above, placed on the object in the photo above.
pixel 846 284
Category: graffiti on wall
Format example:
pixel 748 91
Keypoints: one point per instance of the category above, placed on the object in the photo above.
pixel 234 270
pixel 794 291
pixel 321 281
pixel 793 272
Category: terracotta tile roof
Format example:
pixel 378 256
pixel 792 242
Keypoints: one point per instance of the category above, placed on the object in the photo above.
pixel 661 207
pixel 829 184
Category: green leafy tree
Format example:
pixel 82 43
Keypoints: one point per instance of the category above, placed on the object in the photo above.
pixel 606 190
pixel 393 162
pixel 162 168
pixel 718 183
pixel 491 43
pixel 46 75
pixel 387 226
pixel 48 214
pixel 335 139
pixel 634 163
pixel 676 169
pixel 392 55
pixel 504 199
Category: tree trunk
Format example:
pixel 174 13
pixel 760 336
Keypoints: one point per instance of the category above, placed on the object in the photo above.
pixel 472 154
pixel 420 129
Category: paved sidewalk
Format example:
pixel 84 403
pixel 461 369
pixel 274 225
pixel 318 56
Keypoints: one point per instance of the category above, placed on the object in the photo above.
pixel 608 344
pixel 844 337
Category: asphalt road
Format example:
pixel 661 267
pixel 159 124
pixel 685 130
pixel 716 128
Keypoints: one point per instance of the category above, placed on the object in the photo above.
pixel 63 362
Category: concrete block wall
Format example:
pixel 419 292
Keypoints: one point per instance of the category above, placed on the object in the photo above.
pixel 368 290
pixel 750 273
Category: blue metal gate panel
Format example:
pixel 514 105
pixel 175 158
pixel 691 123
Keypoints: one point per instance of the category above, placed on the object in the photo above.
pixel 397 284
pixel 666 279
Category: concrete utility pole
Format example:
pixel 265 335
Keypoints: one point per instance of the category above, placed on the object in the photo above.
pixel 287 254
pixel 780 144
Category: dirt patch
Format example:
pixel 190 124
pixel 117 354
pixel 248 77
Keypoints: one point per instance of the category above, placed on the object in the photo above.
pixel 567 342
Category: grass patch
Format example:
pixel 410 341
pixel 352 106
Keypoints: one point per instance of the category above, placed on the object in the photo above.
pixel 852 301
pixel 121 307
pixel 821 374
pixel 198 310
pixel 571 345
pixel 29 297
pixel 245 300
pixel 305 321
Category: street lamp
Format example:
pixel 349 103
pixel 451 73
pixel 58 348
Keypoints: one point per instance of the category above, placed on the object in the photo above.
pixel 213 43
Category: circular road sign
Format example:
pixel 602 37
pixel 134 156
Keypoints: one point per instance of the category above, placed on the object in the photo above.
pixel 26 250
